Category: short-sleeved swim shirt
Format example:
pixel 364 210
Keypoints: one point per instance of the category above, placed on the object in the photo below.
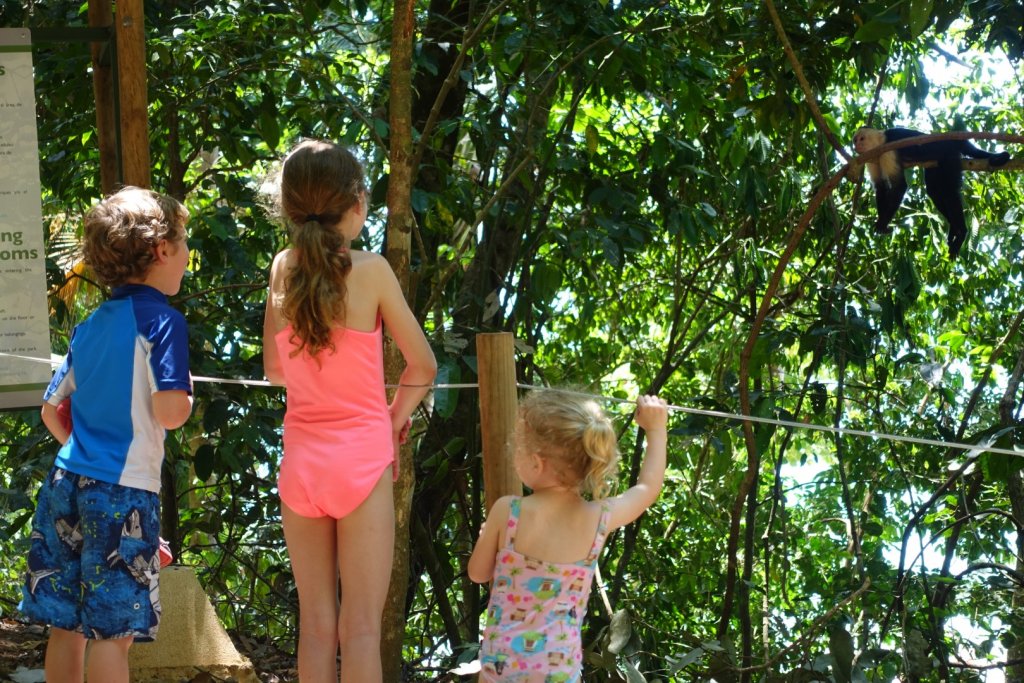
pixel 132 346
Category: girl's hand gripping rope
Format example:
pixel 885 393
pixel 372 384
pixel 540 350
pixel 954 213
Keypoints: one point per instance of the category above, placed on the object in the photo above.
pixel 651 413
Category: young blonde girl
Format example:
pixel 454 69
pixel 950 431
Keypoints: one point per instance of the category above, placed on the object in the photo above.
pixel 325 311
pixel 539 552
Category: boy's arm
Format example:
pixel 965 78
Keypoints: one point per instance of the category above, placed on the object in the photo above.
pixel 485 552
pixel 54 423
pixel 171 387
pixel 56 396
pixel 171 408
pixel 652 417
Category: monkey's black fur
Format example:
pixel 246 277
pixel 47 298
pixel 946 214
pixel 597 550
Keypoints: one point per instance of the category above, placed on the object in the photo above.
pixel 942 182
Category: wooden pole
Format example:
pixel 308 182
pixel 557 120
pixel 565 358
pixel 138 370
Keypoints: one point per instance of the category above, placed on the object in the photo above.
pixel 101 15
pixel 131 87
pixel 496 369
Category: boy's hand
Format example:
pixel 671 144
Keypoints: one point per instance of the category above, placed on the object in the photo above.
pixel 651 413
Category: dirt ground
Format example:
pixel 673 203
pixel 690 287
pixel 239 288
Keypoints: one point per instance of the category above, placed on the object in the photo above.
pixel 22 647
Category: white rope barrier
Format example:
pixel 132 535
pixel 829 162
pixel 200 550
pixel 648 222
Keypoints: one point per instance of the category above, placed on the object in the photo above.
pixel 974 450
pixel 55 361
pixel 978 447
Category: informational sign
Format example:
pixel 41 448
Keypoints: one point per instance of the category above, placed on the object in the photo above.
pixel 24 317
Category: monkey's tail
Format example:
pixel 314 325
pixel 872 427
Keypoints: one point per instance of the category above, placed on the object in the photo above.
pixel 997 160
pixel 994 160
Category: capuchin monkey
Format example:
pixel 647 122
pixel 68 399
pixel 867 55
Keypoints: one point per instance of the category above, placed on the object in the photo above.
pixel 942 182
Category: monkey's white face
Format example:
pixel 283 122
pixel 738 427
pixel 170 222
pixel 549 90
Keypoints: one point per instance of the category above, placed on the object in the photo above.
pixel 867 139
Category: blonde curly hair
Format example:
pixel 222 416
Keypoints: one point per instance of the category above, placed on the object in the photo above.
pixel 574 434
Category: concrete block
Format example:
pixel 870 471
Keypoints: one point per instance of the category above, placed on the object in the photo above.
pixel 191 639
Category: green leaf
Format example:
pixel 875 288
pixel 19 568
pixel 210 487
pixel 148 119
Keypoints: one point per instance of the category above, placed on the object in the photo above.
pixel 875 31
pixel 841 648
pixel 620 630
pixel 633 674
pixel 1000 466
pixel 907 281
pixel 203 461
pixel 819 398
pixel 310 11
pixel 920 15
pixel 677 664
pixel 455 445
pixel 593 138
pixel 873 528
pixel 546 282
pixel 763 434
pixel 760 354
pixel 446 400
pixel 216 415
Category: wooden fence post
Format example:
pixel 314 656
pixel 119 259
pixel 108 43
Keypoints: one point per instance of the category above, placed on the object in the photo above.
pixel 129 23
pixel 101 15
pixel 496 369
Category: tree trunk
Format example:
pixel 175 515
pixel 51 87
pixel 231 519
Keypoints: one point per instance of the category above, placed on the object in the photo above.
pixel 1015 491
pixel 129 24
pixel 1008 410
pixel 101 15
pixel 1015 652
pixel 400 221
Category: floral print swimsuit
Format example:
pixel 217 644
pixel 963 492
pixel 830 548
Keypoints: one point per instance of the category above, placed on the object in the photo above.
pixel 532 629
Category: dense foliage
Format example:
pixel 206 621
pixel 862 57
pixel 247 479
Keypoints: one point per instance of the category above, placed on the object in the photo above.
pixel 617 183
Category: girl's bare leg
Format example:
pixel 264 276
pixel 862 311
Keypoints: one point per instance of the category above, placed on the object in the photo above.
pixel 366 541
pixel 312 549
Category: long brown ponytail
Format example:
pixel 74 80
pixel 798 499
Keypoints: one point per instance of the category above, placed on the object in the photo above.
pixel 320 181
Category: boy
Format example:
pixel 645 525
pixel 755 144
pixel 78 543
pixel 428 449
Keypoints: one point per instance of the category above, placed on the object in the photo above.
pixel 93 566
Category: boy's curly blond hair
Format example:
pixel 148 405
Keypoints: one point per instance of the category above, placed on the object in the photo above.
pixel 572 433
pixel 122 230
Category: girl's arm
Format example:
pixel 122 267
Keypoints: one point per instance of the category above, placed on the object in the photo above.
pixel 271 360
pixel 420 365
pixel 485 552
pixel 652 417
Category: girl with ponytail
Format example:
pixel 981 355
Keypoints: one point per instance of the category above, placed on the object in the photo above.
pixel 539 552
pixel 322 339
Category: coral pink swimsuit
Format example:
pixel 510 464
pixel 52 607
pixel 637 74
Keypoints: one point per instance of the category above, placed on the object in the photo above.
pixel 337 429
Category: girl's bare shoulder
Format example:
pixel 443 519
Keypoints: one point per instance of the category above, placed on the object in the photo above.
pixel 360 257
pixel 280 267
pixel 282 259
pixel 369 266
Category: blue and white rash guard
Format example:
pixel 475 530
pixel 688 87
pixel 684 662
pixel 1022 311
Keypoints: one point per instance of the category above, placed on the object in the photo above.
pixel 132 346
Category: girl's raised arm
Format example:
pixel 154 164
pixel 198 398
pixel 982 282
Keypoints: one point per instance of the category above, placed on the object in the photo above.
pixel 652 417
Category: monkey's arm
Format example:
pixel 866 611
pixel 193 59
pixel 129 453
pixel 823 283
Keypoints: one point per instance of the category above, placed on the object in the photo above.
pixel 943 185
pixel 888 197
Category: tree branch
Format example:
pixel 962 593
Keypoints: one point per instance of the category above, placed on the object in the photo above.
pixel 812 103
